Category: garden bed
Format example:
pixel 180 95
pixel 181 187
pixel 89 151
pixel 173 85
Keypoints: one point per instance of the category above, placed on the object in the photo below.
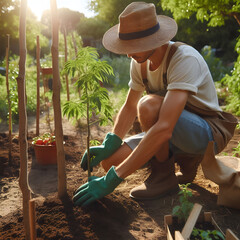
pixel 115 217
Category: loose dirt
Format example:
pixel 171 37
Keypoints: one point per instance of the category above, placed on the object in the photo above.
pixel 116 216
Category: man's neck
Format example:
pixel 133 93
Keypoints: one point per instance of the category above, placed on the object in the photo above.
pixel 157 57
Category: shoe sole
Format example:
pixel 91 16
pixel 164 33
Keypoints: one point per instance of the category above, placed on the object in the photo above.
pixel 170 192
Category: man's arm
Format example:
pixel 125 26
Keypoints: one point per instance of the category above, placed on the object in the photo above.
pixel 172 107
pixel 127 114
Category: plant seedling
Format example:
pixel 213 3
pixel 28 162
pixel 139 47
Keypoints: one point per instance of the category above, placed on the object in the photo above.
pixel 89 71
pixel 183 210
pixel 206 234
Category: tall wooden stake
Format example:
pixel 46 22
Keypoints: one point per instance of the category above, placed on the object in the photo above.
pixel 38 86
pixel 32 217
pixel 62 186
pixel 23 178
pixel 66 57
pixel 9 104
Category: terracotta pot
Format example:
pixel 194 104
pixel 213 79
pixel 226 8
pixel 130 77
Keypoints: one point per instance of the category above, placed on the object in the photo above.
pixel 45 155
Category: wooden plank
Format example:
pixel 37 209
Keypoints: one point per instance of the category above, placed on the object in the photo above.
pixel 230 235
pixel 169 235
pixel 178 236
pixel 168 221
pixel 191 221
pixel 208 218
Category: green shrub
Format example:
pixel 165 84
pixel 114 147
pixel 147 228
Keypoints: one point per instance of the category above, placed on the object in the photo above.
pixel 216 66
pixel 121 68
pixel 232 83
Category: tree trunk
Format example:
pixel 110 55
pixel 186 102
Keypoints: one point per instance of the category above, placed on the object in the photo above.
pixel 62 188
pixel 38 86
pixel 74 43
pixel 66 56
pixel 23 178
pixel 9 104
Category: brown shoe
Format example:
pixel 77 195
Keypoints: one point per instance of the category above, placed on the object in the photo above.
pixel 188 164
pixel 162 181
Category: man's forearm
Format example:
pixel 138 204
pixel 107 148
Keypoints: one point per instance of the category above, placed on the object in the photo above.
pixel 124 121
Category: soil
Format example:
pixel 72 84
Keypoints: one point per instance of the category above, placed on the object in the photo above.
pixel 116 216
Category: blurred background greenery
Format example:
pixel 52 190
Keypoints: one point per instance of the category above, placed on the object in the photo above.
pixel 210 26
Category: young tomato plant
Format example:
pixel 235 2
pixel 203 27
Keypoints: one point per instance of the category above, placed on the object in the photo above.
pixel 89 72
pixel 45 139
pixel 183 210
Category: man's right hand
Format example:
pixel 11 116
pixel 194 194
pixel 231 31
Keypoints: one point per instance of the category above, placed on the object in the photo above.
pixel 98 153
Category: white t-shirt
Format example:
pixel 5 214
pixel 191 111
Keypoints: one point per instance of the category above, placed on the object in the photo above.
pixel 187 71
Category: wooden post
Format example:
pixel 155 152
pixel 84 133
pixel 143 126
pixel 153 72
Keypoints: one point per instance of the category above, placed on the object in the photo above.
pixel 191 221
pixel 62 188
pixel 66 57
pixel 9 104
pixel 38 86
pixel 32 217
pixel 23 175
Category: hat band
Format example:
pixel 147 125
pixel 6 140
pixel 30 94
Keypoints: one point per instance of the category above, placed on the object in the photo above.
pixel 140 34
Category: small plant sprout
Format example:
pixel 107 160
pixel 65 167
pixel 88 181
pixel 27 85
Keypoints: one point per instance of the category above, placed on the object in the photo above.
pixel 90 72
pixel 206 234
pixel 183 210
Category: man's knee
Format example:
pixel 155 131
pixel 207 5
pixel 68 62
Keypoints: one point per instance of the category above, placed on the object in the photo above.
pixel 148 110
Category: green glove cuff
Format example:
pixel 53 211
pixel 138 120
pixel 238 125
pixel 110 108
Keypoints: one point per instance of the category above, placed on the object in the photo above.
pixel 110 145
pixel 112 179
pixel 112 142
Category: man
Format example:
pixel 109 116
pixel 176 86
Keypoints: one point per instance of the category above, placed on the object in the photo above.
pixel 172 126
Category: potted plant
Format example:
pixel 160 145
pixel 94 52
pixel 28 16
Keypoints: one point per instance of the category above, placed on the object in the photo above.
pixel 187 222
pixel 45 149
pixel 93 103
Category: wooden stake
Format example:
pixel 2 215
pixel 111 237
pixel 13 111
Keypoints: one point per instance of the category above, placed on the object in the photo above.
pixel 62 184
pixel 191 221
pixel 66 58
pixel 32 217
pixel 23 175
pixel 9 104
pixel 38 86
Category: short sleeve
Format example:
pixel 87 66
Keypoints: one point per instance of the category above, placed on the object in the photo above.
pixel 184 73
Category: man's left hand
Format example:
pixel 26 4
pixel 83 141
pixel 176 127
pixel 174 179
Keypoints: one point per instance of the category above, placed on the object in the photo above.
pixel 96 188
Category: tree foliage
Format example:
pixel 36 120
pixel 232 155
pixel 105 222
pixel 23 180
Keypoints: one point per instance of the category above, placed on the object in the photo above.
pixel 68 20
pixel 92 27
pixel 9 24
pixel 215 12
pixel 109 10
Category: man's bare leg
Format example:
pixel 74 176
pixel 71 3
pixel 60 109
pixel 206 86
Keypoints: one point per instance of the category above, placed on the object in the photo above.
pixel 148 112
pixel 162 179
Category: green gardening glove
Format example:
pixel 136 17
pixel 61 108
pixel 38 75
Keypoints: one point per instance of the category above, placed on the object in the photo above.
pixel 96 188
pixel 98 153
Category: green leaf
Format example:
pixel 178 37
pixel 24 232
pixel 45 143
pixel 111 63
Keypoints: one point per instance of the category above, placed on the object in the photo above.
pixel 175 210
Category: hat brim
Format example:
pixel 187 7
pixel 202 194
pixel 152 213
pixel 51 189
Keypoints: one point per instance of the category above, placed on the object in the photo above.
pixel 168 29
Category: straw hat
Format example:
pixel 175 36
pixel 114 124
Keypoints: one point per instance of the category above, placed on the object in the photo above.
pixel 140 29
